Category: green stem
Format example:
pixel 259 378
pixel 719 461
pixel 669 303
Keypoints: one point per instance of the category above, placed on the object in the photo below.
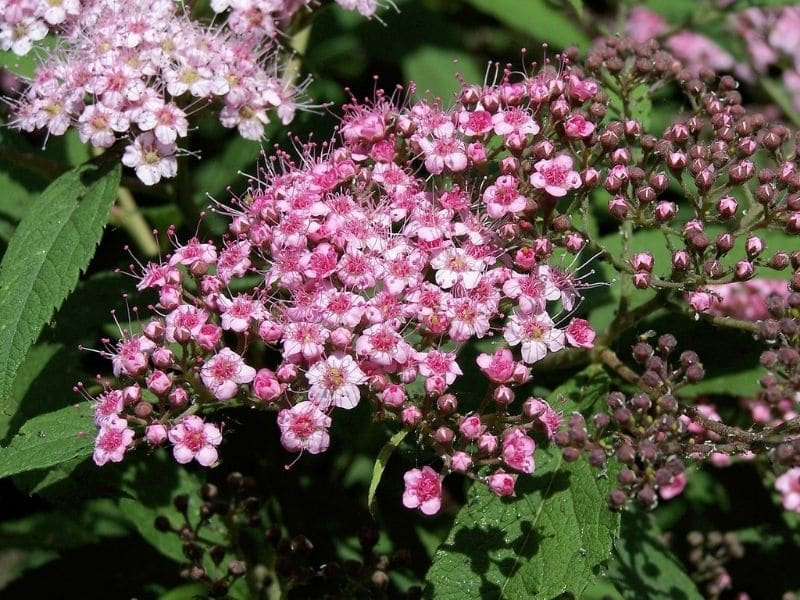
pixel 126 214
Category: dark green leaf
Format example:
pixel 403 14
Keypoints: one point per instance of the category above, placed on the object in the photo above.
pixel 380 464
pixel 52 245
pixel 644 568
pixel 49 439
pixel 553 538
pixel 432 69
pixel 536 18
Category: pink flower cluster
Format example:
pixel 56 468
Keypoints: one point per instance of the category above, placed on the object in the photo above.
pixel 745 300
pixel 136 73
pixel 378 261
pixel 772 40
pixel 693 49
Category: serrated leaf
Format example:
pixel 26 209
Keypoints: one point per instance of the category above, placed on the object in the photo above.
pixel 380 464
pixel 644 568
pixel 432 69
pixel 49 439
pixel 537 18
pixel 52 245
pixel 552 539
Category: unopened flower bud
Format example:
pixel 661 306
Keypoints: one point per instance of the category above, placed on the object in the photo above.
pixel 681 260
pixel 665 211
pixel 618 207
pixel 727 206
pixel 642 261
pixel 410 416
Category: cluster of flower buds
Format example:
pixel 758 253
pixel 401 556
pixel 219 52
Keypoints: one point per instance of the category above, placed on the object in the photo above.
pixel 377 259
pixel 712 156
pixel 647 432
pixel 696 51
pixel 708 555
pixel 748 300
pixel 210 559
pixel 136 74
pixel 296 568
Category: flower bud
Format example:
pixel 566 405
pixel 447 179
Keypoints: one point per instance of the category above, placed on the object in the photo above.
pixel 724 243
pixel 618 207
pixel 487 443
pixel 642 261
pixel 159 383
pixel 155 434
pixel 681 260
pixel 460 462
pixel 393 395
pixel 754 246
pixel 411 416
pixel 665 211
pixel 178 398
pixel 727 206
pixel 503 395
pixel 447 404
pixel 574 242
pixel 443 435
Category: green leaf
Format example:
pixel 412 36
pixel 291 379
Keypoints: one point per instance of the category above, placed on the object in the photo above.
pixel 52 245
pixel 644 568
pixel 432 69
pixel 552 539
pixel 380 464
pixel 536 18
pixel 49 439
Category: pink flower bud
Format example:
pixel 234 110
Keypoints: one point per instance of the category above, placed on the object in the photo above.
pixel 270 332
pixel 700 301
pixel 471 427
pixel 743 270
pixel 793 222
pixel 394 395
pixel 209 335
pixel 162 358
pixel 411 416
pixel 676 161
pixel 642 261
pixel 460 462
pixel 286 373
pixel 169 297
pixel 159 383
pixel 618 207
pixel 641 280
pixel 447 404
pixel 542 247
pixel 154 330
pixel 266 386
pixel 476 152
pixel 590 178
pixel 503 395
pixel 574 242
pixel 435 385
pixel 543 149
pixel 178 398
pixel 681 260
pixel 502 483
pixel 156 434
pixel 132 394
pixel 487 443
pixel 727 207
pixel 522 374
pixel 443 435
pixel 509 165
pixel 341 338
pixel 665 210
pixel 408 374
pixel 754 246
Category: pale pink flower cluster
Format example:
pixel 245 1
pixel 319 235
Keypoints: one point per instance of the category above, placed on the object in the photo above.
pixel 788 485
pixel 266 18
pixel 772 40
pixel 378 261
pixel 693 49
pixel 745 300
pixel 24 22
pixel 135 73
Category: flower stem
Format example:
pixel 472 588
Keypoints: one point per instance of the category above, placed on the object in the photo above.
pixel 126 214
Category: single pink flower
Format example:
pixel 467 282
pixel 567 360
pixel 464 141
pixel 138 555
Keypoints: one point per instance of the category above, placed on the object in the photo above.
pixel 423 490
pixel 193 438
pixel 555 176
pixel 223 373
pixel 580 334
pixel 335 381
pixel 502 483
pixel 304 427
pixel 499 367
pixel 112 441
pixel 518 451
